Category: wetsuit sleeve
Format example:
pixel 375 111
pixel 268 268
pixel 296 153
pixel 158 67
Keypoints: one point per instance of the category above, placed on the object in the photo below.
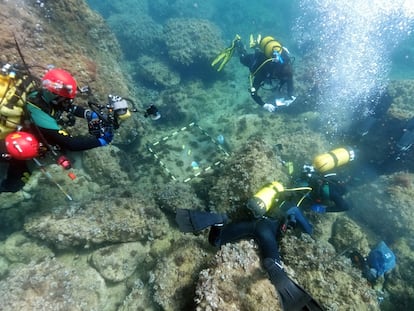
pixel 78 111
pixel 255 95
pixel 251 61
pixel 335 194
pixel 68 142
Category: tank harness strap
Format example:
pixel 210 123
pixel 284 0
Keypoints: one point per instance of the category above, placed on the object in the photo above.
pixel 253 74
pixel 334 157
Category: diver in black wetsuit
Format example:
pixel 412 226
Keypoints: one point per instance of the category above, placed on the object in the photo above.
pixel 265 232
pixel 269 62
pixel 327 191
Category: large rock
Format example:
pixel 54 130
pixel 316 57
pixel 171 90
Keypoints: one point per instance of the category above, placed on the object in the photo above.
pixel 329 278
pixel 18 248
pixel 172 279
pixel 192 41
pixel 253 166
pixel 111 221
pixel 51 285
pixel 236 281
pixel 117 262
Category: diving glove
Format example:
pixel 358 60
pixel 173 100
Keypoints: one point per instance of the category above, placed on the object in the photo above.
pixel 269 107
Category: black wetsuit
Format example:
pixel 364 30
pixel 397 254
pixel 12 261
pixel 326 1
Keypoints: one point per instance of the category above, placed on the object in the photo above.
pixel 325 188
pixel 60 138
pixel 269 71
pixel 265 231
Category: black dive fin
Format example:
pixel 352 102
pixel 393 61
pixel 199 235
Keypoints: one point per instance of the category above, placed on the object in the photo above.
pixel 192 221
pixel 293 297
pixel 406 141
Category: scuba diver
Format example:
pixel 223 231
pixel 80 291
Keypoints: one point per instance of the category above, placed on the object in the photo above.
pixel 327 190
pixel 49 109
pixel 265 231
pixel 270 62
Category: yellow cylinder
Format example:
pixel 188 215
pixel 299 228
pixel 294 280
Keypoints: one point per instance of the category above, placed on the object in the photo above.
pixel 268 45
pixel 264 199
pixel 333 159
pixel 14 111
pixel 4 130
pixel 13 122
pixel 4 84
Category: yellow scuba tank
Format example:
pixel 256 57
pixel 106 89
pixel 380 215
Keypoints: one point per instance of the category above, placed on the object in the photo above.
pixel 333 159
pixel 13 90
pixel 268 45
pixel 264 199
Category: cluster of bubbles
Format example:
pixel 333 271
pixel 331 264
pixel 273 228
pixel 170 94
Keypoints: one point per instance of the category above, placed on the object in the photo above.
pixel 352 42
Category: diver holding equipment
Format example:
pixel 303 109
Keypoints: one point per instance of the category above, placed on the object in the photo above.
pixel 270 62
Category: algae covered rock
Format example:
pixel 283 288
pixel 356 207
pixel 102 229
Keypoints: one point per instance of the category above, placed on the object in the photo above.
pixel 175 195
pixel 137 32
pixel 400 282
pixel 104 167
pixel 155 73
pixel 252 167
pixel 192 41
pixel 18 248
pixel 172 279
pixel 390 199
pixel 236 281
pixel 346 234
pixel 112 220
pixel 139 298
pixel 330 279
pixel 117 262
pixel 50 285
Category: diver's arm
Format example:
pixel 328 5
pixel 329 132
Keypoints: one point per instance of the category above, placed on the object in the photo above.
pixel 255 96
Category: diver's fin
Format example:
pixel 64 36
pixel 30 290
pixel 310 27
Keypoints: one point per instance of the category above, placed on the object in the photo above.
pixel 293 297
pixel 192 221
pixel 406 141
pixel 224 57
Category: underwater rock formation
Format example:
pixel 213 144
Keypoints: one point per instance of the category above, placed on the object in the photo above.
pixel 137 32
pixel 19 248
pixel 252 166
pixel 192 41
pixel 172 280
pixel 332 281
pixel 50 285
pixel 175 195
pixel 113 220
pixel 117 262
pixel 155 73
pixel 235 281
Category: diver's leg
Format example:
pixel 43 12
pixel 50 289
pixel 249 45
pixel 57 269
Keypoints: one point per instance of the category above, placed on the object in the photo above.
pixel 265 234
pixel 15 172
pixel 220 235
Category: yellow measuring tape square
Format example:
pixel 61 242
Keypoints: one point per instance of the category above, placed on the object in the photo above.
pixel 188 153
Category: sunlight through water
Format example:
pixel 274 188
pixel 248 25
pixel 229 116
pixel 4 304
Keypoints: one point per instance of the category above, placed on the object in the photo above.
pixel 352 41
